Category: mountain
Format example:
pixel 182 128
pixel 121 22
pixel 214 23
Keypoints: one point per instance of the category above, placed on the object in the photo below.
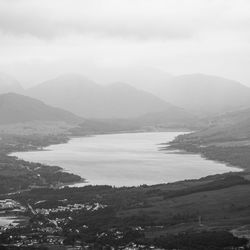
pixel 88 99
pixel 9 84
pixel 16 108
pixel 204 94
pixel 145 78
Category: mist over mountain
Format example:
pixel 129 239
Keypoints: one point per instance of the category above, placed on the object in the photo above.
pixel 16 108
pixel 88 99
pixel 9 84
pixel 204 94
pixel 144 78
pixel 199 94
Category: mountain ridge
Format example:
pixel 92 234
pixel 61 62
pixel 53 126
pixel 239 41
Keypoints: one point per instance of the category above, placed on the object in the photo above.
pixel 91 100
pixel 204 94
pixel 16 108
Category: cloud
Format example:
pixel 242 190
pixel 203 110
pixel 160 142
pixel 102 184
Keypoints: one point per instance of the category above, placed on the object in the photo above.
pixel 116 18
pixel 179 36
pixel 138 19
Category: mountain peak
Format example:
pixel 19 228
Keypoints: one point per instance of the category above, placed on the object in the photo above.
pixel 90 100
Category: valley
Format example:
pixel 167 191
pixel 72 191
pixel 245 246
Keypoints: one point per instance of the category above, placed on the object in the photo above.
pixel 124 125
pixel 187 213
pixel 179 214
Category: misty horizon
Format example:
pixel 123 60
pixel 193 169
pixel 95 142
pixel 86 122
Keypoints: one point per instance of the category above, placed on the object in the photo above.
pixel 112 76
pixel 43 40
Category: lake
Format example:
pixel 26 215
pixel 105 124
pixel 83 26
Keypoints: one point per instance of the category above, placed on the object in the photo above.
pixel 129 159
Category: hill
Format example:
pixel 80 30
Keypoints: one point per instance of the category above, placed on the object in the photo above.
pixel 88 99
pixel 16 108
pixel 204 94
pixel 226 139
pixel 229 127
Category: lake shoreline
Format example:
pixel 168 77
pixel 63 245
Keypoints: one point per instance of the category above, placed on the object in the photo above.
pixel 204 152
pixel 110 183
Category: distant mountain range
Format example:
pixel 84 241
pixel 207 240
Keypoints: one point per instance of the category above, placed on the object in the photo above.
pixel 204 94
pixel 88 99
pixel 144 78
pixel 16 108
pixel 173 98
pixel 199 93
pixel 134 108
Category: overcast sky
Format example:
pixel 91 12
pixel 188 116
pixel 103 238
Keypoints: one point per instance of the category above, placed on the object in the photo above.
pixel 40 39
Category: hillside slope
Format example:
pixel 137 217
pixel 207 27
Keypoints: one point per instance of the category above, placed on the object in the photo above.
pixel 15 108
pixel 226 139
pixel 232 126
pixel 204 94
pixel 88 99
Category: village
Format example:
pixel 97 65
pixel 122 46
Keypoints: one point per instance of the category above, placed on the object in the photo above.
pixel 60 227
pixel 38 231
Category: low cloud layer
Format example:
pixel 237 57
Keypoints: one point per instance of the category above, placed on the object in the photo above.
pixel 184 36
pixel 132 19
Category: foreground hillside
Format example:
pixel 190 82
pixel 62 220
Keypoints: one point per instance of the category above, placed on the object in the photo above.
pixel 198 214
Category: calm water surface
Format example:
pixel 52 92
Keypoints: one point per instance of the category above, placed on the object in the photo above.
pixel 125 159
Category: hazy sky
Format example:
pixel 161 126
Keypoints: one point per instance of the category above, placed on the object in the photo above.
pixel 40 39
